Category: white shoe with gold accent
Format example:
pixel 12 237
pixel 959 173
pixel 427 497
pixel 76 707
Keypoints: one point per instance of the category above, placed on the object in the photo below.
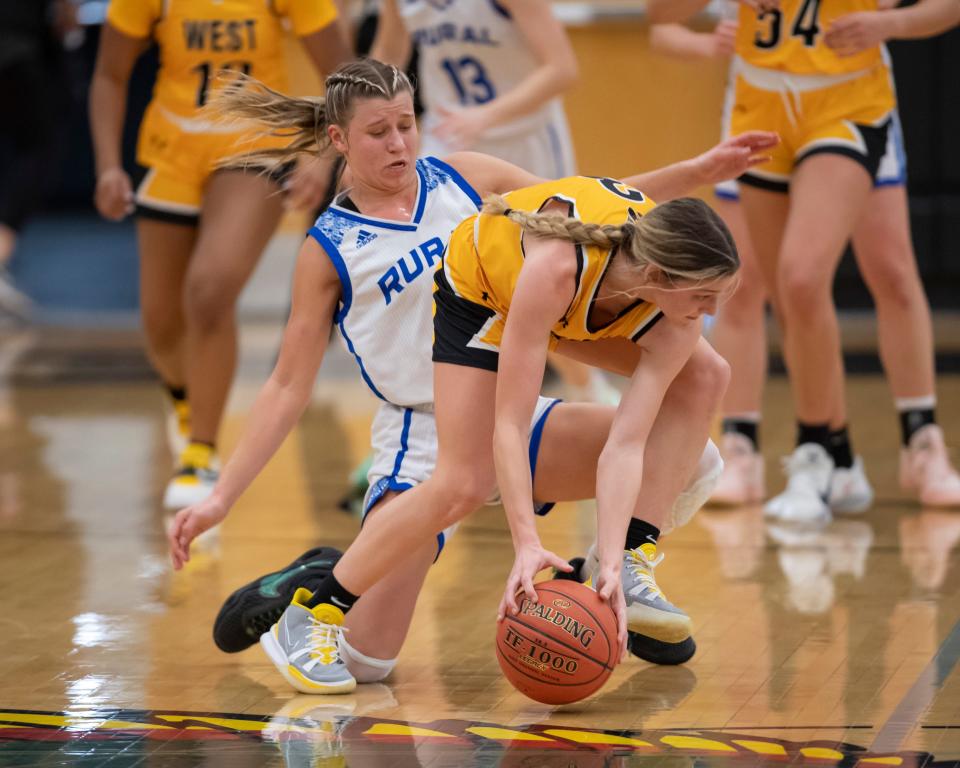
pixel 196 475
pixel 304 647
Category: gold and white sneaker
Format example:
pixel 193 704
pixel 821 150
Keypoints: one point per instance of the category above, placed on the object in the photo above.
pixel 926 470
pixel 196 475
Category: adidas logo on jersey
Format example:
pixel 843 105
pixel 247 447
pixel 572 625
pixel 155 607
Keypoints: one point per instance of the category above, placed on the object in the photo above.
pixel 364 237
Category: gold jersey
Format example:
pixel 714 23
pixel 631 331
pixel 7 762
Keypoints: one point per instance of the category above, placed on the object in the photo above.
pixel 485 256
pixel 199 38
pixel 790 39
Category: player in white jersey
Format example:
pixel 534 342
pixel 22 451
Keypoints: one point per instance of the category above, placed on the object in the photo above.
pixel 367 267
pixel 884 253
pixel 490 74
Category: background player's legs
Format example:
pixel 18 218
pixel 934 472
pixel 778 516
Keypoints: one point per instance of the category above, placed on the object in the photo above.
pixel 240 212
pixel 884 251
pixel 827 196
pixel 165 250
pixel 739 335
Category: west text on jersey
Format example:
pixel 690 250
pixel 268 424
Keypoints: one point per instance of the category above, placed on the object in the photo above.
pixel 220 36
pixel 408 268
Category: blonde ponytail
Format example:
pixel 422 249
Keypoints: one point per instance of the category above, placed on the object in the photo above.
pixel 683 239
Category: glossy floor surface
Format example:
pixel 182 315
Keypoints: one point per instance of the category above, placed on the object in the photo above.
pixel 836 646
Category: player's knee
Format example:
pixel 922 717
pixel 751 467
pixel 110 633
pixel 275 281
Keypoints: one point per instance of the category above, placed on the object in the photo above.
pixel 208 304
pixel 704 378
pixel 803 291
pixel 461 493
pixel 895 284
pixel 365 669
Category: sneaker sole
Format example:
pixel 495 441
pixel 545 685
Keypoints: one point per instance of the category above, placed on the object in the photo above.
pixel 275 653
pixel 658 652
pixel 658 625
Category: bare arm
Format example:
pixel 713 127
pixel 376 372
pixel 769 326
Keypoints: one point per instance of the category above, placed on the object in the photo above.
pixel 328 47
pixel 545 287
pixel 392 43
pixel 664 351
pixel 726 160
pixel 108 104
pixel 678 40
pixel 556 68
pixel 856 32
pixel 316 292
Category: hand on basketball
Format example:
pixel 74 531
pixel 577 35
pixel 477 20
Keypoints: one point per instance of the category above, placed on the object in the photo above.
pixel 306 185
pixel 610 588
pixel 856 32
pixel 114 194
pixel 190 523
pixel 462 128
pixel 530 560
pixel 734 156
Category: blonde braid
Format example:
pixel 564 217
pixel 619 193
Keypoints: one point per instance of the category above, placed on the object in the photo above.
pixel 556 225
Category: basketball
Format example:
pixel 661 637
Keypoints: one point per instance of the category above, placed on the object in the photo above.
pixel 562 648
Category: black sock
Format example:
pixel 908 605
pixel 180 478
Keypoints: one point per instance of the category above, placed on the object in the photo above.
pixel 179 394
pixel 331 591
pixel 913 419
pixel 840 448
pixel 641 532
pixel 814 433
pixel 749 429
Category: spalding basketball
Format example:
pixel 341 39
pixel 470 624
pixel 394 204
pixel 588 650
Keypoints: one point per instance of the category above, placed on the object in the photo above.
pixel 561 648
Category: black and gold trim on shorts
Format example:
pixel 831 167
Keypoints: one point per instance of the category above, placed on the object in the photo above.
pixel 456 324
pixel 169 217
pixel 872 137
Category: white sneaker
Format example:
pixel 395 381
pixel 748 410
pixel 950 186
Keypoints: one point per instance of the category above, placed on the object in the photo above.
pixel 698 490
pixel 197 472
pixel 926 469
pixel 742 480
pixel 850 491
pixel 804 500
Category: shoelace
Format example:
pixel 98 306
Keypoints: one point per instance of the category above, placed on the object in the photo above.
pixel 642 567
pixel 324 641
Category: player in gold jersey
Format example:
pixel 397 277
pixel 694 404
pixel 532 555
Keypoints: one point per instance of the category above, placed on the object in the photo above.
pixel 200 230
pixel 802 207
pixel 593 269
pixel 883 249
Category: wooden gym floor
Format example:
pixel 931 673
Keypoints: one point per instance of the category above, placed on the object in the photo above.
pixel 835 647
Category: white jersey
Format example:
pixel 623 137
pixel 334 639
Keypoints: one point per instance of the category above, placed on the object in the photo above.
pixel 471 52
pixel 386 271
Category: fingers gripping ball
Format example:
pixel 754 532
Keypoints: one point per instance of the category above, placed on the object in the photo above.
pixel 562 648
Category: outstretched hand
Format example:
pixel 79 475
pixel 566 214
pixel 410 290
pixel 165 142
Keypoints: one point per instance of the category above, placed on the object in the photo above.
pixel 609 586
pixel 736 155
pixel 190 523
pixel 529 561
